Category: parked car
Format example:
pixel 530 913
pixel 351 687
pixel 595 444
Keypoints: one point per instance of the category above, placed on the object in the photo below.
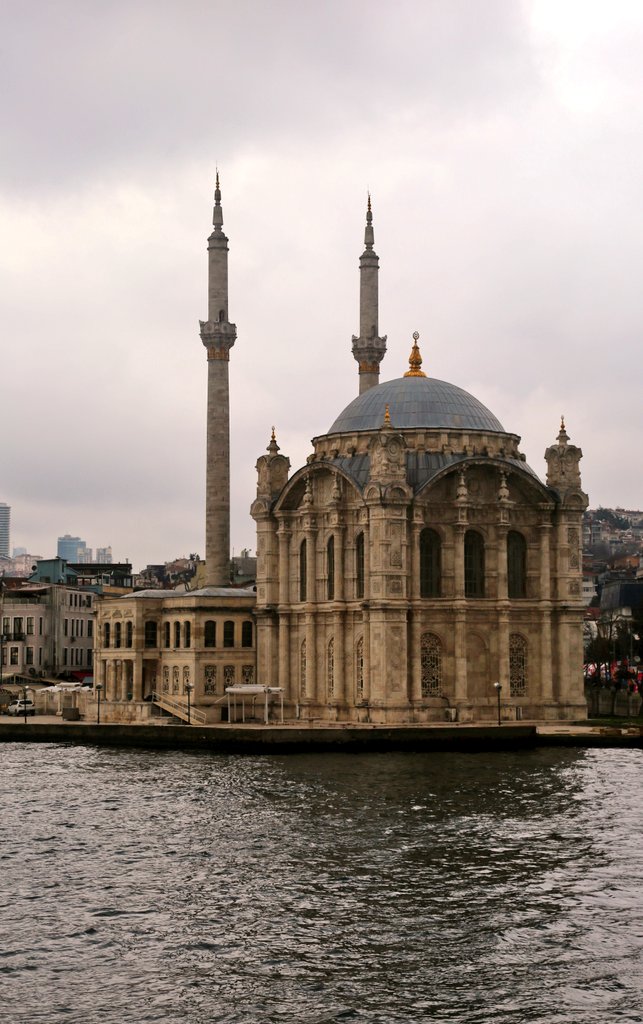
pixel 21 707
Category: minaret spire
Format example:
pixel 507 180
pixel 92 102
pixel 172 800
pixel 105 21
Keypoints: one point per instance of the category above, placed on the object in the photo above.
pixel 368 348
pixel 218 335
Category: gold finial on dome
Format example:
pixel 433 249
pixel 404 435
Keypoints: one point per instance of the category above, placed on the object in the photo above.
pixel 562 421
pixel 415 359
pixel 387 417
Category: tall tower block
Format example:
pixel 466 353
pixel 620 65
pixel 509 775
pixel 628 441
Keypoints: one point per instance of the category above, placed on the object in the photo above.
pixel 368 348
pixel 218 335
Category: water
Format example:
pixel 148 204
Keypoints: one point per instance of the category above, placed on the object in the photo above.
pixel 186 887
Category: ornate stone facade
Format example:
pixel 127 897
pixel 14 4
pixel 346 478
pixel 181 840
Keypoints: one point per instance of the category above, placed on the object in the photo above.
pixel 416 560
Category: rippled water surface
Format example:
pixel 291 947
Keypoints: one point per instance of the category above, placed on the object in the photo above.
pixel 147 886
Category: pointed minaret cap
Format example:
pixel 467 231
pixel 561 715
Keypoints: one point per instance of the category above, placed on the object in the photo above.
pixel 369 236
pixel 217 214
pixel 415 359
pixel 563 437
pixel 273 447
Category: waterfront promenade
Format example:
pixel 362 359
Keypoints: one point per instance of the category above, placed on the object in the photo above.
pixel 256 738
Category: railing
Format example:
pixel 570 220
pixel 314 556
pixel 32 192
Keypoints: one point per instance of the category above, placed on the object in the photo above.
pixel 179 709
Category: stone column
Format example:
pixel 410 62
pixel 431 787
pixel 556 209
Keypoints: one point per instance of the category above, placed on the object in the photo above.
pixel 136 671
pixel 460 641
pixel 546 651
pixel 458 560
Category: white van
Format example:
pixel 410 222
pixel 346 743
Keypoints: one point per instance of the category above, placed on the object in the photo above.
pixel 21 707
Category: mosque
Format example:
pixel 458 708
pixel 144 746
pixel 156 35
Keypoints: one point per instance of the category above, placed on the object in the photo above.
pixel 415 570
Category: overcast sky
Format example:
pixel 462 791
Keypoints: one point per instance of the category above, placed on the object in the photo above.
pixel 501 142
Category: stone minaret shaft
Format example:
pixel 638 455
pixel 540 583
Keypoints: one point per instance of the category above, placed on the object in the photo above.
pixel 218 335
pixel 369 348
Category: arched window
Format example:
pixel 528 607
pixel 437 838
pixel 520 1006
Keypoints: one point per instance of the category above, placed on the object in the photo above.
pixel 228 633
pixel 303 572
pixel 187 634
pixel 118 632
pixel 330 569
pixel 246 634
pixel 517 665
pixel 516 564
pixel 177 634
pixel 210 634
pixel 129 634
pixel 150 633
pixel 330 669
pixel 302 667
pixel 430 564
pixel 166 634
pixel 473 564
pixel 175 679
pixel 106 634
pixel 431 665
pixel 359 668
pixel 186 677
pixel 359 565
pixel 166 679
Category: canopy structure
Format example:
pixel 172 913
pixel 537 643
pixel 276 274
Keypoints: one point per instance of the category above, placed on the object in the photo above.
pixel 252 690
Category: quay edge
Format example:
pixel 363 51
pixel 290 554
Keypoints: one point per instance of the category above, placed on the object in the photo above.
pixel 305 739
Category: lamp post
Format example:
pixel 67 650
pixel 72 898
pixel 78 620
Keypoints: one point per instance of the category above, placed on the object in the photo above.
pixel 498 688
pixel 99 687
pixel 24 702
pixel 188 689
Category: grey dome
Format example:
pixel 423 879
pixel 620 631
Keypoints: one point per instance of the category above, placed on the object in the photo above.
pixel 421 402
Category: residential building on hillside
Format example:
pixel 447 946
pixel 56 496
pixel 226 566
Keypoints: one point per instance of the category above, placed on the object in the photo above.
pixel 47 629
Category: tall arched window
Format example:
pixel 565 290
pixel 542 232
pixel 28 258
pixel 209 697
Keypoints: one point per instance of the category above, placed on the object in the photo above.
pixel 118 632
pixel 246 634
pixel 106 634
pixel 210 634
pixel 517 665
pixel 330 569
pixel 228 633
pixel 330 669
pixel 359 668
pixel 430 564
pixel 359 565
pixel 473 564
pixel 177 634
pixel 129 634
pixel 150 633
pixel 516 564
pixel 187 634
pixel 431 664
pixel 303 665
pixel 166 634
pixel 303 572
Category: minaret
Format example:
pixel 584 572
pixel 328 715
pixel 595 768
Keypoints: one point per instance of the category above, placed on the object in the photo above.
pixel 369 348
pixel 218 335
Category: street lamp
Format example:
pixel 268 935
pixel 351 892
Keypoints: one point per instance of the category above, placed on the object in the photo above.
pixel 24 702
pixel 498 688
pixel 188 688
pixel 99 687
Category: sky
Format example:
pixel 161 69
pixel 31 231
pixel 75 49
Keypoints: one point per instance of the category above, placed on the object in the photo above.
pixel 501 143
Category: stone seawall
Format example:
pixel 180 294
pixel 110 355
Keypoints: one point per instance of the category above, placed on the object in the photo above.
pixel 231 739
